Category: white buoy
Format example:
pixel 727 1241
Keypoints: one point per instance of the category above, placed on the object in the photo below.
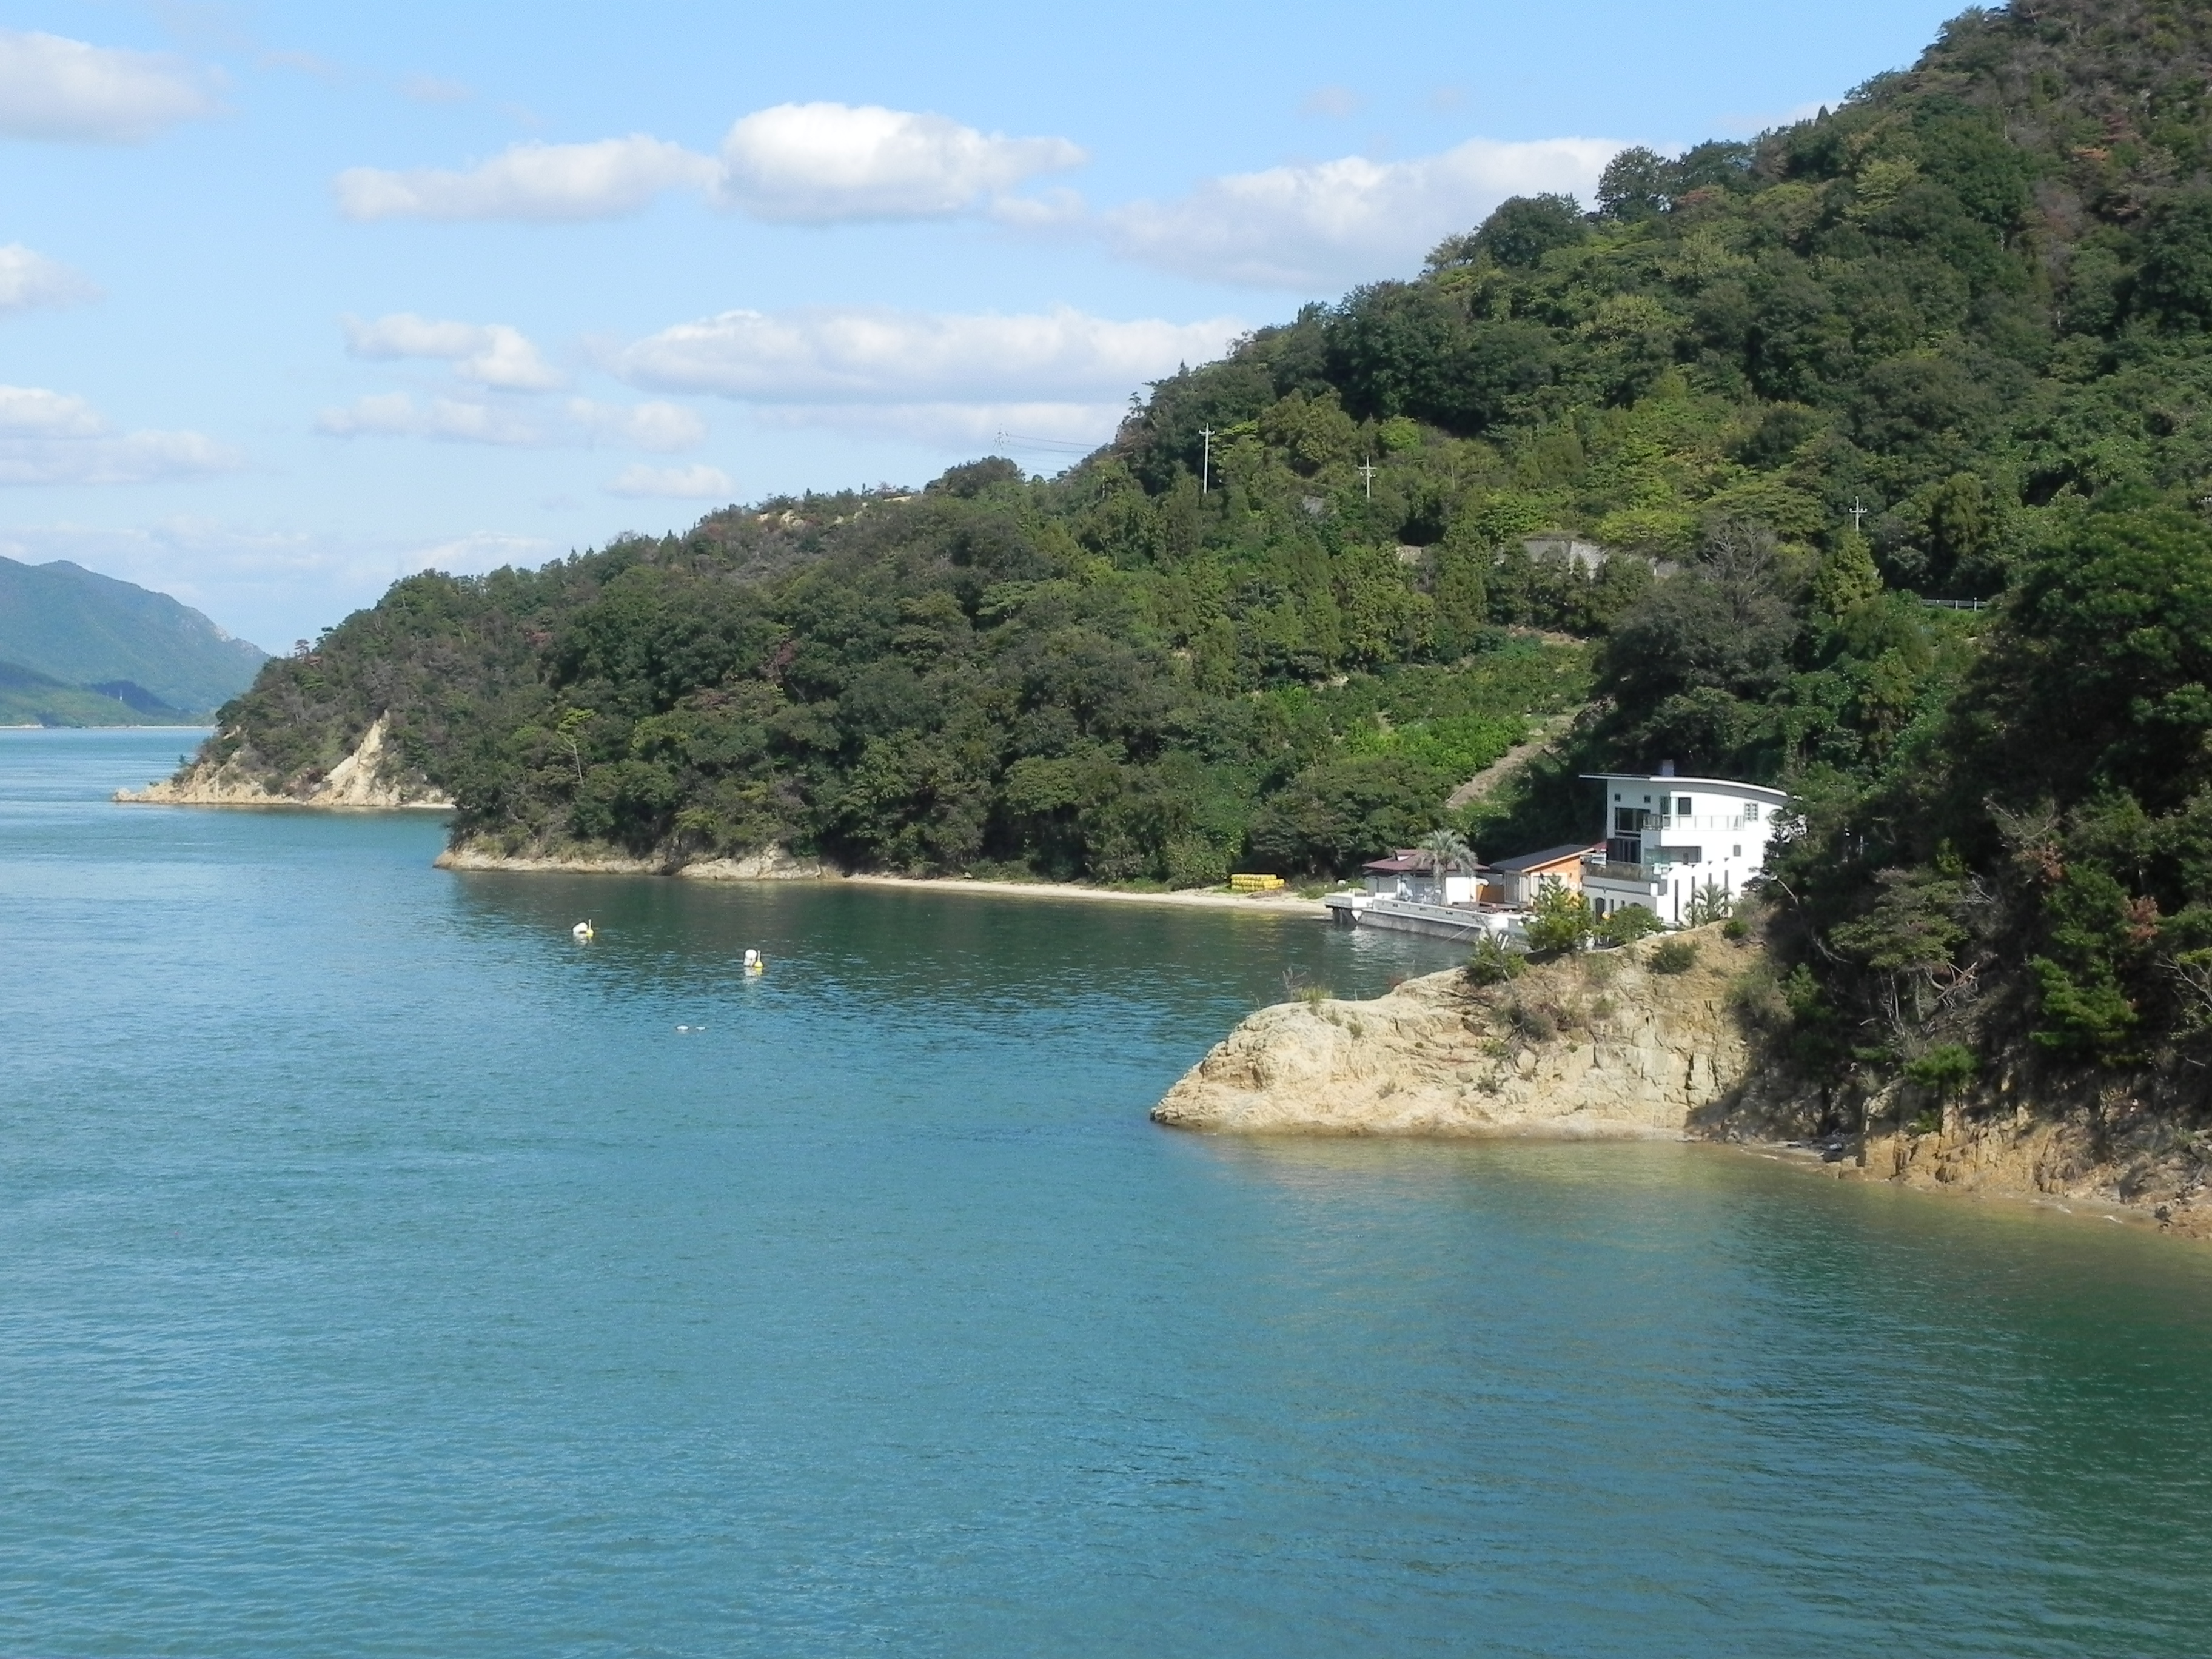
pixel 583 930
pixel 756 962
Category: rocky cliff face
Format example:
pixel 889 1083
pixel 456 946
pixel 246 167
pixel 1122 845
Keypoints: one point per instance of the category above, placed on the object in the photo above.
pixel 1600 1046
pixel 372 776
pixel 1605 1046
pixel 764 864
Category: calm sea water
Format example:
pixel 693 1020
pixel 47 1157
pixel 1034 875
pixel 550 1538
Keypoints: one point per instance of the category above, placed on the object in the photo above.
pixel 381 1272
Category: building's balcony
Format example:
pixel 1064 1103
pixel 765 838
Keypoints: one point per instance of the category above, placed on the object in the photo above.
pixel 1627 875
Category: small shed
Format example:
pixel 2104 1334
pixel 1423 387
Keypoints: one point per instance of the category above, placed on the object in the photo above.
pixel 1518 879
pixel 1411 873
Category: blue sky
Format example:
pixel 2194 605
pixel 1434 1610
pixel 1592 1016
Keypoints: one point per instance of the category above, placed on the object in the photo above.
pixel 296 299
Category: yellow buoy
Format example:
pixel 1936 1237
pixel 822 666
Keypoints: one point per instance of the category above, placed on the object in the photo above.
pixel 584 930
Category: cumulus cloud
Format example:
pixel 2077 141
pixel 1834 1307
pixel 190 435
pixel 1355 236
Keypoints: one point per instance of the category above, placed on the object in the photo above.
pixel 828 354
pixel 54 437
pixel 1317 227
pixel 577 421
pixel 534 181
pixel 29 411
pixel 396 414
pixel 1050 434
pixel 487 354
pixel 656 426
pixel 28 280
pixel 818 162
pixel 53 88
pixel 807 163
pixel 700 482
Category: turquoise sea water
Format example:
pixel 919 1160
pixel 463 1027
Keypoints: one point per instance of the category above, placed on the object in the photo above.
pixel 381 1272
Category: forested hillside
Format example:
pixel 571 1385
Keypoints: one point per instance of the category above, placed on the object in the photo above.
pixel 1950 341
pixel 74 627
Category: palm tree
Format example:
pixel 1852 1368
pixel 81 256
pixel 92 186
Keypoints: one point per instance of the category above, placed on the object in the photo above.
pixel 1448 851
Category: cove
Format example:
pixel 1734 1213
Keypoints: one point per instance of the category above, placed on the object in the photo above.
pixel 382 1273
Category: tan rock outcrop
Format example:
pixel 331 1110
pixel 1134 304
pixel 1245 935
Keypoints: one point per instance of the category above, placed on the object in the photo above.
pixel 372 777
pixel 765 864
pixel 1598 1047
pixel 581 862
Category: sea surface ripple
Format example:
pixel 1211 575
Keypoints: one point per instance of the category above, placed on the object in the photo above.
pixel 383 1272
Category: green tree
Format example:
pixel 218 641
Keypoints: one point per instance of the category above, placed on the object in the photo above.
pixel 1559 920
pixel 1635 185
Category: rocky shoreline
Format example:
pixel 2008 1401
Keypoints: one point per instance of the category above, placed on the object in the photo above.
pixel 1599 1048
pixel 778 864
pixel 769 864
pixel 1604 1046
pixel 367 780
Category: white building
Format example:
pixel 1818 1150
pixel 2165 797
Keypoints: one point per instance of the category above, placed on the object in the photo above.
pixel 1412 874
pixel 1667 839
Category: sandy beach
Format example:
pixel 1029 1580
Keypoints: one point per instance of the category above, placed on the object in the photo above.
pixel 1276 904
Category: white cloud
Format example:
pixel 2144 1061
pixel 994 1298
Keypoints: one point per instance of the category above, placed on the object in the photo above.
pixel 54 437
pixel 822 354
pixel 396 414
pixel 28 412
pixel 700 482
pixel 1318 226
pixel 819 163
pixel 29 279
pixel 810 163
pixel 577 421
pixel 489 354
pixel 655 425
pixel 52 88
pixel 1049 434
pixel 480 551
pixel 542 182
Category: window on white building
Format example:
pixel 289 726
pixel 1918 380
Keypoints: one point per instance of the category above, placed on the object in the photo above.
pixel 1682 807
pixel 1751 812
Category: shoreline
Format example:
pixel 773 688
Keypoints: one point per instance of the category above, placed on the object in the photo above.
pixel 773 867
pixel 1205 898
pixel 1613 1046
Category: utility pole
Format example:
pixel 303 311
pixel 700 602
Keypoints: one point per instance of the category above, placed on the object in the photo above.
pixel 1858 515
pixel 1368 472
pixel 1206 461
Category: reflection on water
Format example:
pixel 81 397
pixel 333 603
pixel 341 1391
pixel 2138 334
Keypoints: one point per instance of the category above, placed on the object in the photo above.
pixel 382 1271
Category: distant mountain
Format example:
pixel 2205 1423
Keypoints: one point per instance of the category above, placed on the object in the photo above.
pixel 30 698
pixel 83 630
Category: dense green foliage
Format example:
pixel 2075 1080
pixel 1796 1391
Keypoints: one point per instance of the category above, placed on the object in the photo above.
pixel 75 626
pixel 1950 341
pixel 953 681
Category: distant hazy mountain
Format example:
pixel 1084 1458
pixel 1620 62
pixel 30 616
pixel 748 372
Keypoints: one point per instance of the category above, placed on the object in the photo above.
pixel 30 698
pixel 84 629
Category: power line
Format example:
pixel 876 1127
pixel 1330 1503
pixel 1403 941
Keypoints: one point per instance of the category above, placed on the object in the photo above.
pixel 1056 446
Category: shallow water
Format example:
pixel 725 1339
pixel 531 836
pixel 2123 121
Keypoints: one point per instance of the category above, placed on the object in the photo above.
pixel 382 1273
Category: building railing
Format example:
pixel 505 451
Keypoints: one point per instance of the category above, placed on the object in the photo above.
pixel 1604 869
